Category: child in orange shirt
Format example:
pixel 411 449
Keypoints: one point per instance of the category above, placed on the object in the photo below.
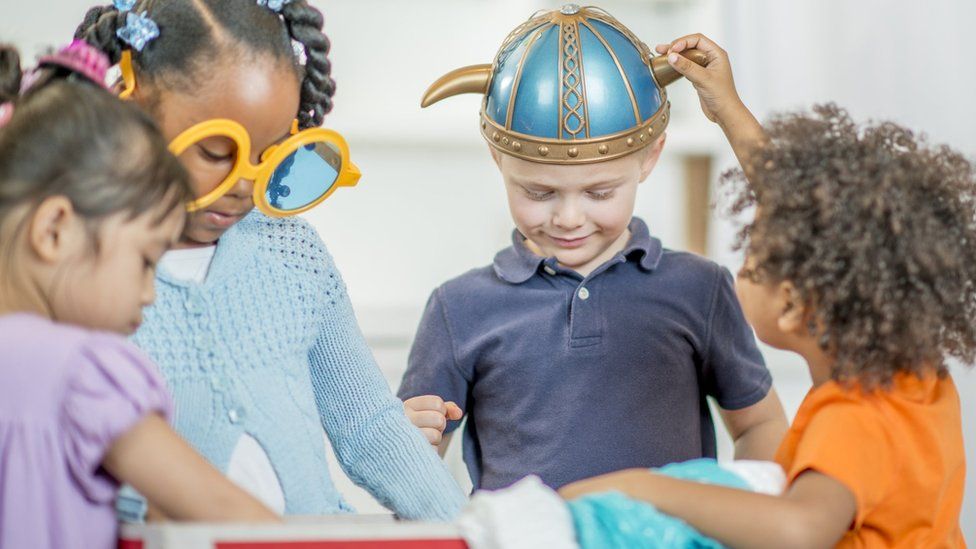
pixel 861 258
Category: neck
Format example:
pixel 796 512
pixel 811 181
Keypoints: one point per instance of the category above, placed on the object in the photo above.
pixel 23 295
pixel 184 244
pixel 819 362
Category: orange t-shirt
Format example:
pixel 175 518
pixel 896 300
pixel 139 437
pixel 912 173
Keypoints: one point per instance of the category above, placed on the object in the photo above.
pixel 899 451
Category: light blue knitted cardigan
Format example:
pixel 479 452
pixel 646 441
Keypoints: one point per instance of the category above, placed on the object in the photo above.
pixel 269 345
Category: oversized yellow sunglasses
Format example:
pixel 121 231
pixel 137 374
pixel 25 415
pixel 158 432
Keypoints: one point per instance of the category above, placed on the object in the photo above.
pixel 292 177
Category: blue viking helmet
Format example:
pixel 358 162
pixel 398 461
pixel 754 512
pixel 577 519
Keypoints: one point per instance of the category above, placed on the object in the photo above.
pixel 569 86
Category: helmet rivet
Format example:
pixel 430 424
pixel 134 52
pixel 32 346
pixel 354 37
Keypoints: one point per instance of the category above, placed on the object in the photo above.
pixel 496 137
pixel 604 149
pixel 484 124
pixel 504 141
pixel 516 145
pixel 543 150
pixel 643 137
pixel 573 152
pixel 630 141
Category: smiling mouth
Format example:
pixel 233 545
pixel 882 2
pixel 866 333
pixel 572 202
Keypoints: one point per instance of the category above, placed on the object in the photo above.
pixel 569 242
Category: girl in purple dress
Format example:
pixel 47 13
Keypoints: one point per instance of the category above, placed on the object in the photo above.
pixel 89 200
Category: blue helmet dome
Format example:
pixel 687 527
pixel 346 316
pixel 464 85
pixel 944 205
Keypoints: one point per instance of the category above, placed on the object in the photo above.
pixel 568 86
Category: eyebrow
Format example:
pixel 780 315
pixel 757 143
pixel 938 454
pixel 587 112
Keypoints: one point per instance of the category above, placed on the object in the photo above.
pixel 536 184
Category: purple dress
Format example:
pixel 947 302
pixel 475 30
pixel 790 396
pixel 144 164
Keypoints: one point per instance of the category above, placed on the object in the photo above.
pixel 66 394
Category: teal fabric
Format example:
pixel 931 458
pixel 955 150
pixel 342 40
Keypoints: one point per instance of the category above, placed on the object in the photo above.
pixel 611 520
pixel 269 345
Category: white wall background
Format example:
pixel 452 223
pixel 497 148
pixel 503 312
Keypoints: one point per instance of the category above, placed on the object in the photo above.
pixel 430 205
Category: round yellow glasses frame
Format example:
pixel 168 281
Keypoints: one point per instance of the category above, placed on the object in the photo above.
pixel 327 148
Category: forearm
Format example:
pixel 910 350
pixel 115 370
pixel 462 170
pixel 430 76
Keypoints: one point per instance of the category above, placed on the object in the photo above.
pixel 177 482
pixel 397 465
pixel 734 517
pixel 761 441
pixel 743 132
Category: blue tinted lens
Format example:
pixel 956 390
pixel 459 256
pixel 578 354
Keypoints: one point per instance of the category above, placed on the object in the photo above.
pixel 303 177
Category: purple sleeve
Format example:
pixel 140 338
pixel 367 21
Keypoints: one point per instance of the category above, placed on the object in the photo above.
pixel 115 386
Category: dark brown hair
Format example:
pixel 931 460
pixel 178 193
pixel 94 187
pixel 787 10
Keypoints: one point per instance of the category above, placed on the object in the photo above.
pixel 876 229
pixel 70 137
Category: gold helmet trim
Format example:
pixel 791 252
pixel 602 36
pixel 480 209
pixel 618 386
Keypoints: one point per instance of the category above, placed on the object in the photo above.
pixel 478 78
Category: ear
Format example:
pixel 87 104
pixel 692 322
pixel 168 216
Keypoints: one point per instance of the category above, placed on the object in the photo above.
pixel 53 228
pixel 652 153
pixel 793 312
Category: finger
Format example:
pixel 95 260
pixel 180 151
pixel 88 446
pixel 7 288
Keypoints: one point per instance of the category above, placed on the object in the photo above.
pixel 428 420
pixel 454 412
pixel 662 48
pixel 700 42
pixel 433 436
pixel 426 402
pixel 688 68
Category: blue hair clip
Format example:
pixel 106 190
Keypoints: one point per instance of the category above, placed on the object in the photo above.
pixel 138 31
pixel 124 5
pixel 274 5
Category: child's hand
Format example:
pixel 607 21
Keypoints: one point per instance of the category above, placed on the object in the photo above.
pixel 713 82
pixel 430 414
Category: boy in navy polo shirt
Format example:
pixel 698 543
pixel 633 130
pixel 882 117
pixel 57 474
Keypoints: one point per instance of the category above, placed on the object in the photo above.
pixel 586 347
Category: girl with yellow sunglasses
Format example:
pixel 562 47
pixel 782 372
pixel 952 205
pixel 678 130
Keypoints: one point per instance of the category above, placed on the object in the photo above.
pixel 252 326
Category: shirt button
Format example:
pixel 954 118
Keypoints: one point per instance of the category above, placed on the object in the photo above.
pixel 549 270
pixel 234 415
pixel 194 306
pixel 583 293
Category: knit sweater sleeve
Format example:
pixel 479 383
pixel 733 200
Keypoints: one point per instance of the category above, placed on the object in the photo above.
pixel 375 443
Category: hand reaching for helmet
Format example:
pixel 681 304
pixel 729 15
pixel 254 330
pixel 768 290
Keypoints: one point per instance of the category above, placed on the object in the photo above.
pixel 716 92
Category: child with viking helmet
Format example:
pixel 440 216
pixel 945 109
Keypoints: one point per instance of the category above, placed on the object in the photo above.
pixel 587 346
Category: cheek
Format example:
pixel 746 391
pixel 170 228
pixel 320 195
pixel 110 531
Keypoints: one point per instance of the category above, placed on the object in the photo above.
pixel 614 213
pixel 528 213
pixel 748 294
pixel 204 176
pixel 757 307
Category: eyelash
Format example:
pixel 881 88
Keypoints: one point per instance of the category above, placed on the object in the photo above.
pixel 214 157
pixel 537 195
pixel 604 195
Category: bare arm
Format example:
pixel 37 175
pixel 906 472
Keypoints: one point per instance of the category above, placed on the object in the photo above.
pixel 716 91
pixel 757 430
pixel 177 481
pixel 815 512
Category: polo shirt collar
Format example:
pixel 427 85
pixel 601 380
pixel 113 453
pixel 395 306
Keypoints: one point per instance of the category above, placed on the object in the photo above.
pixel 517 263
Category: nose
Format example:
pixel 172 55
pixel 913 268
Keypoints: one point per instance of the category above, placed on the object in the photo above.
pixel 242 189
pixel 569 214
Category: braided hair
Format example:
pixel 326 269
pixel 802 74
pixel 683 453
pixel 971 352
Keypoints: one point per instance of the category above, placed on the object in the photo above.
pixel 193 32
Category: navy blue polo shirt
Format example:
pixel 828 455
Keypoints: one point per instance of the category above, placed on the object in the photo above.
pixel 568 377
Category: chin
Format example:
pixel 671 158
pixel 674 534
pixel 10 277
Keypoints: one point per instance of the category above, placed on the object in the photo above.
pixel 203 236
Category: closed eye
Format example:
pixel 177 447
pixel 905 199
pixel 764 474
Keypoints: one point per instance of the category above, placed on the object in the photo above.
pixel 213 156
pixel 537 195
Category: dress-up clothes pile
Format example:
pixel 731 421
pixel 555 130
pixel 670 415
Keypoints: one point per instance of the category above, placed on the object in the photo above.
pixel 529 514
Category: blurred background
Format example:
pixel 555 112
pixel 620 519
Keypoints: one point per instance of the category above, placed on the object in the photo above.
pixel 430 205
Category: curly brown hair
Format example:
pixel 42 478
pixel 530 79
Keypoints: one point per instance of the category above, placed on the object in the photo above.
pixel 876 229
